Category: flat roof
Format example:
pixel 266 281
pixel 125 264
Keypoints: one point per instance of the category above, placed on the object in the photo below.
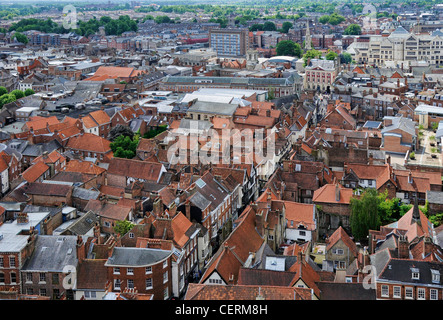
pixel 12 240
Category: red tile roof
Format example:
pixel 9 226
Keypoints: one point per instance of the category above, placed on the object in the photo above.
pixel 244 292
pixel 149 171
pixel 89 142
pixel 299 213
pixel 327 194
pixel 35 171
pixel 340 234
pixel 86 167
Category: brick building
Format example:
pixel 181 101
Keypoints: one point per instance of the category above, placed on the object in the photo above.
pixel 146 269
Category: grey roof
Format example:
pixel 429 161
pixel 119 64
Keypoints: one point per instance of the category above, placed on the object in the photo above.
pixel 232 80
pixel 82 225
pixel 379 260
pixel 85 194
pixel 200 201
pixel 198 124
pixel 51 210
pixel 52 253
pixel 345 291
pixel 400 270
pixel 213 108
pixel 434 196
pixel 137 257
pixel 404 124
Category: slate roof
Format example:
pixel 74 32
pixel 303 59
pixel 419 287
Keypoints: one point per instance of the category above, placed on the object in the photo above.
pixel 225 109
pixel 52 253
pixel 82 225
pixel 249 276
pixel 345 291
pixel 400 270
pixel 137 257
pixel 84 194
pixel 400 123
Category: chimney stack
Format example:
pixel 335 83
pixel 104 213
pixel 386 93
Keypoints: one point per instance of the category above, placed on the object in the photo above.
pixel 188 209
pixel 337 192
pixel 81 249
pixel 427 245
pixel 158 207
pixel 403 247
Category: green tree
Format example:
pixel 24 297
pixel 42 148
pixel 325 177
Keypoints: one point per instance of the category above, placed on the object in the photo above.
pixel 256 27
pixel 345 58
pixel 335 19
pixel 123 227
pixel 331 55
pixel 353 29
pixel 286 26
pixel 154 132
pixel 311 54
pixel 7 98
pixel 124 147
pixel 3 91
pixel 21 37
pixel 18 93
pixel 324 19
pixel 288 48
pixel 365 214
pixel 389 209
pixel 436 219
pixel 269 26
pixel 29 92
pixel 162 19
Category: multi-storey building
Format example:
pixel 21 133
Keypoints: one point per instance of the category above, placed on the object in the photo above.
pixel 320 74
pixel 146 269
pixel 229 42
pixel 402 45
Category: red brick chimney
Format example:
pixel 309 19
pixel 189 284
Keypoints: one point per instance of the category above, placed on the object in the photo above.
pixel 81 249
pixel 188 209
pixel 157 207
pixel 337 192
pixel 427 246
pixel 403 247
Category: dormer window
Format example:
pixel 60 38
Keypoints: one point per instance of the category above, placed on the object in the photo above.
pixel 415 274
pixel 435 276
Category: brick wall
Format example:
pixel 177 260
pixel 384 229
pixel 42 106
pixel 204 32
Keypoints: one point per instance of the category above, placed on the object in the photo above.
pixel 139 277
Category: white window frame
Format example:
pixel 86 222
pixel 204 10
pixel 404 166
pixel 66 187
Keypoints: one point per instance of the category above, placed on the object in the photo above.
pixel 396 294
pixel 116 270
pixel 419 292
pixel 385 290
pixel 146 283
pixel 148 270
pixel 130 271
pixel 409 290
pixel 165 277
pixel 117 284
pixel 435 293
